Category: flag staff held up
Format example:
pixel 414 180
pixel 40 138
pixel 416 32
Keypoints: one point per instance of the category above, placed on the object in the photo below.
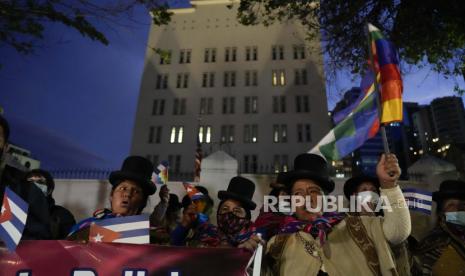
pixel 377 90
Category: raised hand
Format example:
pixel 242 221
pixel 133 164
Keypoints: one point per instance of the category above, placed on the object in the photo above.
pixel 388 171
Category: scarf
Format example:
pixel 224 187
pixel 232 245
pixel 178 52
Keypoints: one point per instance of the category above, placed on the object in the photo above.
pixel 319 227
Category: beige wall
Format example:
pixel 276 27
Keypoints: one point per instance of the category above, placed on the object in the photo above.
pixel 215 26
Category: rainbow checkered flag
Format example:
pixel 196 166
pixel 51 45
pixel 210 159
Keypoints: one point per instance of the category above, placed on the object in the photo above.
pixel 361 124
pixel 13 218
pixel 387 65
pixel 160 174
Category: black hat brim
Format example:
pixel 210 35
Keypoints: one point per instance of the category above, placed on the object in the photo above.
pixel 146 185
pixel 439 196
pixel 325 183
pixel 247 203
pixel 353 182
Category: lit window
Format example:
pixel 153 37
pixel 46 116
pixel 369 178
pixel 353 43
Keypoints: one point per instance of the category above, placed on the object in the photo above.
pixel 274 78
pixel 180 134
pixel 201 134
pixel 282 76
pixel 209 133
pixel 173 135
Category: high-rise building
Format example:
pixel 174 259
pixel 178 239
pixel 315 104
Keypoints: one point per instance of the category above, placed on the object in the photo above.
pixel 449 119
pixel 424 130
pixel 256 92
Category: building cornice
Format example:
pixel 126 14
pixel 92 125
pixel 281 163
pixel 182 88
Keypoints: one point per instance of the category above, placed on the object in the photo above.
pixel 213 2
pixel 182 10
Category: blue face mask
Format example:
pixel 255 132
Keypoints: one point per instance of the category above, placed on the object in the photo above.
pixel 456 217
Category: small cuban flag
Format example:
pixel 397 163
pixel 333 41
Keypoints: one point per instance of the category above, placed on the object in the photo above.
pixel 13 217
pixel 160 174
pixel 192 192
pixel 418 200
pixel 129 229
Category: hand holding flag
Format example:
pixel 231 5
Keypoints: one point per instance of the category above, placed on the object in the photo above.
pixel 13 216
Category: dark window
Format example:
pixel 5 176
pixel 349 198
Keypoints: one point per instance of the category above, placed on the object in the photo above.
pixel 183 107
pixel 155 107
pixel 151 134
pixel 210 106
pixel 186 80
pixel 233 54
pixel 177 164
pixel 158 136
pixel 176 107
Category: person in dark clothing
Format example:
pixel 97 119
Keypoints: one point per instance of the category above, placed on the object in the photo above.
pixel 12 174
pixel 164 217
pixel 61 219
pixel 442 251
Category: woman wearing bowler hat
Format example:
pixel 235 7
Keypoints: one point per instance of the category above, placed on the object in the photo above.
pixel 318 242
pixel 233 216
pixel 131 187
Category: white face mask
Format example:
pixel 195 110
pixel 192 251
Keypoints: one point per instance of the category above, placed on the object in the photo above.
pixel 368 196
pixel 285 208
pixel 42 187
pixel 456 217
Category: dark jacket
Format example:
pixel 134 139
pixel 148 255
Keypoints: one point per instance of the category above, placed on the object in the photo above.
pixel 61 220
pixel 38 217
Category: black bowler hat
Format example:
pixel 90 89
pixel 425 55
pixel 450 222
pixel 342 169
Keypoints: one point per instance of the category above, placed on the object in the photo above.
pixel 138 169
pixel 450 189
pixel 240 189
pixel 310 166
pixel 352 183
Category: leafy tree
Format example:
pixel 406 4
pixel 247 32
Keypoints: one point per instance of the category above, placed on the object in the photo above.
pixel 22 22
pixel 425 31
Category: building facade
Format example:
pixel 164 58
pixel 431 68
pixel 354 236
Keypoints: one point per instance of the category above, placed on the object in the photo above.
pixel 255 92
pixel 449 119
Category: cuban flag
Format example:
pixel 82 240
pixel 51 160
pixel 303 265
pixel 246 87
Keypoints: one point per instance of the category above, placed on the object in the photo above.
pixel 12 219
pixel 129 229
pixel 192 191
pixel 418 200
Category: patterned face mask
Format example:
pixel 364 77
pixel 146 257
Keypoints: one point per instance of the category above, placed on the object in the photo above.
pixel 231 224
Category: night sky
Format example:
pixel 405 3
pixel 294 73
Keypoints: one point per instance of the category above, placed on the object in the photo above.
pixel 73 102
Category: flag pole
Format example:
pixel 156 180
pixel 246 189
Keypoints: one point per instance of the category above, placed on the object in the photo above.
pixel 378 102
pixel 198 153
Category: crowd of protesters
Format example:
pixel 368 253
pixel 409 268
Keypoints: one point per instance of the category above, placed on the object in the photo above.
pixel 300 242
